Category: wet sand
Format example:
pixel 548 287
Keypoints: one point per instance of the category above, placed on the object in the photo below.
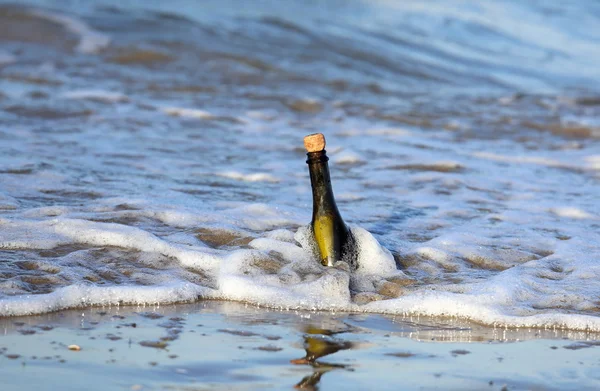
pixel 215 345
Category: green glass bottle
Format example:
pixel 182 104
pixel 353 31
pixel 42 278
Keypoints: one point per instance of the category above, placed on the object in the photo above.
pixel 331 234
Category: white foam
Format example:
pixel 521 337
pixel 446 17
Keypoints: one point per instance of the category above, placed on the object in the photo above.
pixel 373 258
pixel 254 177
pixel 98 95
pixel 281 271
pixel 572 212
pixel 374 262
pixel 261 217
pixel 46 211
pixel 90 41
pixel 348 157
pixel 540 160
pixel 300 284
pixel 77 296
pixel 51 233
pixel 282 235
pixel 515 297
pixel 506 300
pixel 478 308
pixel 593 162
pixel 188 113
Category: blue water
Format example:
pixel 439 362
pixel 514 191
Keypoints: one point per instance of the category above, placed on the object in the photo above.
pixel 151 152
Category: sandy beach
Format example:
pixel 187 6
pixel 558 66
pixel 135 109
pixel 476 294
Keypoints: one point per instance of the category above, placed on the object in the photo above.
pixel 216 345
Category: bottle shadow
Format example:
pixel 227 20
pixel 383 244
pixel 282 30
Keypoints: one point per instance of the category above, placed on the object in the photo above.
pixel 319 343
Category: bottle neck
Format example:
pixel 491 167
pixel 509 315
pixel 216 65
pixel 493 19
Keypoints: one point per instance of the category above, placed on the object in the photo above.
pixel 323 200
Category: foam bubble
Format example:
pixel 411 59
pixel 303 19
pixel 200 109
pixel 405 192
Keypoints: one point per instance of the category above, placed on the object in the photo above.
pixel 373 258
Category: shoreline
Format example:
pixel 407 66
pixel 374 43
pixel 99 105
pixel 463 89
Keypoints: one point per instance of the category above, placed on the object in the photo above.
pixel 367 309
pixel 228 345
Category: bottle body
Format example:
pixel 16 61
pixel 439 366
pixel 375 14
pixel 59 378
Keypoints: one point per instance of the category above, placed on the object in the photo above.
pixel 331 233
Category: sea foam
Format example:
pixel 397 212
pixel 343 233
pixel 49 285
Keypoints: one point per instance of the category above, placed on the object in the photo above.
pixel 280 270
pixel 190 182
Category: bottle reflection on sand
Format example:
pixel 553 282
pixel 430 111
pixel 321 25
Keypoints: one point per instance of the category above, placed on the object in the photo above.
pixel 319 343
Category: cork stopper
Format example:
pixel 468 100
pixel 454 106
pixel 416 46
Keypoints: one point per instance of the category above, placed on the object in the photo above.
pixel 314 142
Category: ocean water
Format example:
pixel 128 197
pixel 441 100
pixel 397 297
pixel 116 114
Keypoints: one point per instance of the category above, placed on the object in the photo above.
pixel 151 153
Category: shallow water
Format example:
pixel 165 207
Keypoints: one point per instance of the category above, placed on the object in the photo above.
pixel 216 345
pixel 152 153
